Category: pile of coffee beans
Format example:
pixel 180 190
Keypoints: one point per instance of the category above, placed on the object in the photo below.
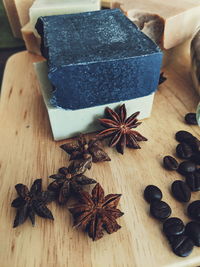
pixel 187 150
pixel 181 238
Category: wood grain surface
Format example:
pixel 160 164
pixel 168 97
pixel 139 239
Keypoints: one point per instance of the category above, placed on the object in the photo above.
pixel 29 152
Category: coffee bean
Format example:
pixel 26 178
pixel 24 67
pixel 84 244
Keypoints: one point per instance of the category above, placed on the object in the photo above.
pixel 171 238
pixel 181 191
pixel 194 143
pixel 194 210
pixel 182 246
pixel 184 151
pixel 193 181
pixel 173 226
pixel 170 163
pixel 186 167
pixel 152 193
pixel 196 158
pixel 160 210
pixel 183 136
pixel 192 229
pixel 190 118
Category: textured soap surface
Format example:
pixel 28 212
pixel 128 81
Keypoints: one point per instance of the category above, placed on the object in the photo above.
pixel 96 58
pixel 69 123
pixel 52 7
pixel 169 23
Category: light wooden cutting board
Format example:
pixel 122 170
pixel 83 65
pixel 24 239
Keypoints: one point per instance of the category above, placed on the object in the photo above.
pixel 27 152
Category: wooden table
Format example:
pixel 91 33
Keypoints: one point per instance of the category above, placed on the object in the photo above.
pixel 28 152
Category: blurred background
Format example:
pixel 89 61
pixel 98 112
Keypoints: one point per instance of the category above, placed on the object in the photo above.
pixel 8 44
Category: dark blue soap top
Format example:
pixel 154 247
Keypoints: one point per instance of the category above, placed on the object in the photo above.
pixel 98 36
pixel 97 58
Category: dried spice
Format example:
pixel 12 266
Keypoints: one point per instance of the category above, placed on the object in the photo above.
pixel 31 202
pixel 81 149
pixel 119 129
pixel 97 212
pixel 69 181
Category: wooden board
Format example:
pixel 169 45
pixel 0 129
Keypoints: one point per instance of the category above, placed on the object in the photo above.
pixel 28 152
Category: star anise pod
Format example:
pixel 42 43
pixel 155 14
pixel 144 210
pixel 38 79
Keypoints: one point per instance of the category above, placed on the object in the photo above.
pixel 82 148
pixel 69 181
pixel 97 212
pixel 119 129
pixel 31 202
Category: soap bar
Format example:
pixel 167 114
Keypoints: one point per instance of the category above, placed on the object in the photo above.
pixel 31 41
pixel 111 3
pixel 69 123
pixel 23 7
pixel 195 61
pixel 52 7
pixel 168 23
pixel 13 18
pixel 95 58
pixel 18 14
pixel 32 44
pixel 18 11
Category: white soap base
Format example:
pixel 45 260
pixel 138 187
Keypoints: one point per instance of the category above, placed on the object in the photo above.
pixel 59 7
pixel 70 123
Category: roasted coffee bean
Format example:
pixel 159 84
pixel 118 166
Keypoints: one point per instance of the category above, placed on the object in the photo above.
pixel 182 245
pixel 190 118
pixel 192 230
pixel 193 181
pixel 152 193
pixel 170 163
pixel 173 226
pixel 194 210
pixel 160 210
pixel 186 167
pixel 184 151
pixel 183 136
pixel 171 238
pixel 196 158
pixel 181 191
pixel 194 143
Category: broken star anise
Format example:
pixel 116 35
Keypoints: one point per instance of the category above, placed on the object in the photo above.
pixel 31 202
pixel 82 148
pixel 97 212
pixel 119 128
pixel 69 181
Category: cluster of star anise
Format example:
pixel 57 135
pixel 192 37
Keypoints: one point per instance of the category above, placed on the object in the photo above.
pixel 93 212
